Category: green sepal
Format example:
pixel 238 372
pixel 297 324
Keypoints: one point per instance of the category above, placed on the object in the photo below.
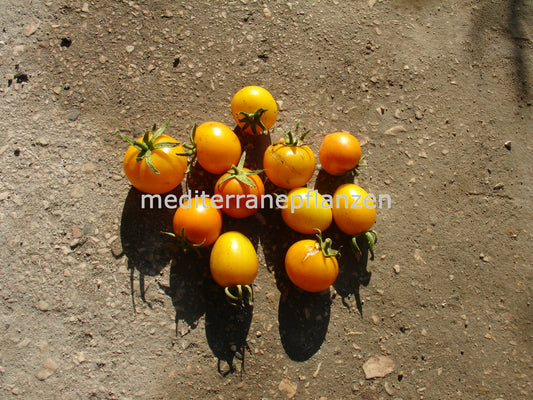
pixel 237 172
pixel 253 120
pixel 370 237
pixel 244 295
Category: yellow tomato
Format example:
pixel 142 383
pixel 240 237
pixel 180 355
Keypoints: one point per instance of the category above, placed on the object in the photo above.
pixel 233 260
pixel 306 210
pixel 254 109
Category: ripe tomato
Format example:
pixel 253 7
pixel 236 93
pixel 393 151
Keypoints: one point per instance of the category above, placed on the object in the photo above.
pixel 354 210
pixel 215 146
pixel 311 265
pixel 152 164
pixel 241 190
pixel 234 265
pixel 289 163
pixel 306 210
pixel 198 222
pixel 339 153
pixel 254 109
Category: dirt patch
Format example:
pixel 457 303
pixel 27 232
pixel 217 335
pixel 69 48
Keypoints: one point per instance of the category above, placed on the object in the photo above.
pixel 96 303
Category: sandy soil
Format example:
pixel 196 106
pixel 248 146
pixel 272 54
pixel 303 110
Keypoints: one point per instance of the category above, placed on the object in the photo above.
pixel 96 304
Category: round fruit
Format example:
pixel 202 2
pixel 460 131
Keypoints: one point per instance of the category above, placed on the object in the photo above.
pixel 215 146
pixel 152 164
pixel 339 153
pixel 311 264
pixel 254 109
pixel 289 163
pixel 354 210
pixel 233 260
pixel 198 221
pixel 240 190
pixel 306 210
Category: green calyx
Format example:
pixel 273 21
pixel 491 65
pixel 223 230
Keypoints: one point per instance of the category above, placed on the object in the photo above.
pixel 370 237
pixel 325 245
pixel 238 172
pixel 292 139
pixel 183 243
pixel 190 152
pixel 253 121
pixel 147 145
pixel 239 295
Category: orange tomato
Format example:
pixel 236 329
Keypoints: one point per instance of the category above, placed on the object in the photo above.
pixel 312 265
pixel 339 153
pixel 354 210
pixel 289 163
pixel 239 190
pixel 198 221
pixel 215 146
pixel 152 164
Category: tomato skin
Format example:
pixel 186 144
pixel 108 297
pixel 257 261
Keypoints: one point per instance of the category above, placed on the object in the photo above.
pixel 250 99
pixel 308 268
pixel 350 212
pixel 312 215
pixel 201 221
pixel 217 147
pixel 171 167
pixel 233 260
pixel 339 153
pixel 231 188
pixel 289 167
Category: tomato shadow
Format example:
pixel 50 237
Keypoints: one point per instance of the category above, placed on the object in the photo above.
pixel 188 284
pixel 226 329
pixel 352 269
pixel 143 220
pixel 303 317
pixel 352 264
pixel 255 146
pixel 327 184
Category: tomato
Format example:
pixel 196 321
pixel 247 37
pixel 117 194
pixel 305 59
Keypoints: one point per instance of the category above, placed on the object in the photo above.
pixel 312 265
pixel 240 190
pixel 234 265
pixel 254 109
pixel 152 163
pixel 354 212
pixel 215 146
pixel 289 163
pixel 339 153
pixel 306 210
pixel 198 221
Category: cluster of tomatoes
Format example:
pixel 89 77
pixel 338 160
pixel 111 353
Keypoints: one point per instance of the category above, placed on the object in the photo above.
pixel 157 163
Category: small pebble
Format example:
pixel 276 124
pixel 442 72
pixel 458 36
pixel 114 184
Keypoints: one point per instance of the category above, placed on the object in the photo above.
pixel 129 49
pixel 396 269
pixel 43 305
pixel 73 115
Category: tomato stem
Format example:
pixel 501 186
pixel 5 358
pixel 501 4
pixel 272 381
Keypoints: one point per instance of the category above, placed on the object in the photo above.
pixel 244 295
pixel 370 237
pixel 191 149
pixel 325 245
pixel 237 172
pixel 253 120
pixel 184 244
pixel 147 145
pixel 292 139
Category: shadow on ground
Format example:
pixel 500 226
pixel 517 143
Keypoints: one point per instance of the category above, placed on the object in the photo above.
pixel 143 242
